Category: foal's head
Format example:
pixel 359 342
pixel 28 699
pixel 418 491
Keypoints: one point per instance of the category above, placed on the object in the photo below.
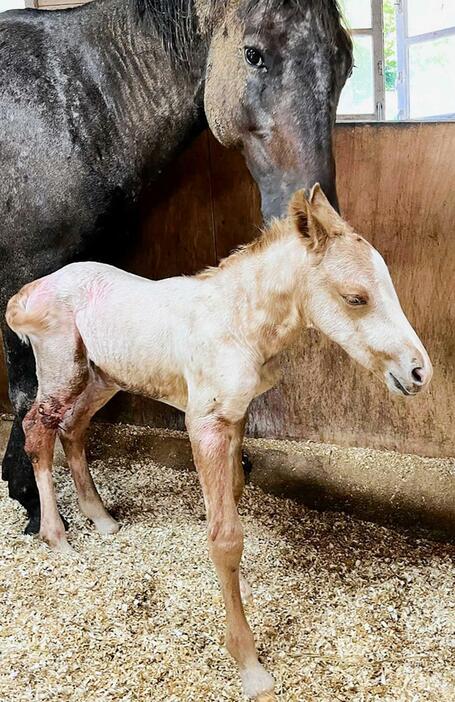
pixel 349 296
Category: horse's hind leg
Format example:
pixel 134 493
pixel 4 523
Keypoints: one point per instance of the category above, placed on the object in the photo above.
pixel 16 467
pixel 72 435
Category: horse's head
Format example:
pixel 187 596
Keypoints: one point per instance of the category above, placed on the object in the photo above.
pixel 274 76
pixel 349 296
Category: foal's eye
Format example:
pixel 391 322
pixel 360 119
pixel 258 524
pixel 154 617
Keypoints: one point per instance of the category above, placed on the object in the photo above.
pixel 254 57
pixel 355 300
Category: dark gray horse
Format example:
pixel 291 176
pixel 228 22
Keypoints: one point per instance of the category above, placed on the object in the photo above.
pixel 95 101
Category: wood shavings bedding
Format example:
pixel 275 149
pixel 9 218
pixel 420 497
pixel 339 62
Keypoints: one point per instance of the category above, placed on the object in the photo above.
pixel 343 609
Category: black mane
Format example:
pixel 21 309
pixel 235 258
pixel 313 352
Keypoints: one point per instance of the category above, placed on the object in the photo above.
pixel 175 22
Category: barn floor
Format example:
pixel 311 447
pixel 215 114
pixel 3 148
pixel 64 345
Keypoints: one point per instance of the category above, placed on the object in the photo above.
pixel 343 609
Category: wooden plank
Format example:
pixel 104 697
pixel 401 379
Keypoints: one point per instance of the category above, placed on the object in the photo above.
pixel 237 217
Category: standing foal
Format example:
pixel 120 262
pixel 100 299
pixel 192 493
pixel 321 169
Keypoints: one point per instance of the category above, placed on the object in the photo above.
pixel 208 345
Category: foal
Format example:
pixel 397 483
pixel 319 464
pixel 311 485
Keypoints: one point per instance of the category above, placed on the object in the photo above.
pixel 208 345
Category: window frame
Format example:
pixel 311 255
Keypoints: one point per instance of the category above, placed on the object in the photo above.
pixel 404 42
pixel 376 31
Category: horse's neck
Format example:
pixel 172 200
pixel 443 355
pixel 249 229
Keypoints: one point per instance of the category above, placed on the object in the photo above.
pixel 157 106
pixel 270 283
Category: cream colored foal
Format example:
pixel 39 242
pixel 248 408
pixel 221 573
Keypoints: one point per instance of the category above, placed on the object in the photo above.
pixel 208 345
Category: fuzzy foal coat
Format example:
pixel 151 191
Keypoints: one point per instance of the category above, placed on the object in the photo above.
pixel 207 345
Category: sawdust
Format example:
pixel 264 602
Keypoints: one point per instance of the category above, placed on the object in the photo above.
pixel 343 610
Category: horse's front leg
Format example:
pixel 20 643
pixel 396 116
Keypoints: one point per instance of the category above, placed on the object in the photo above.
pixel 16 466
pixel 212 441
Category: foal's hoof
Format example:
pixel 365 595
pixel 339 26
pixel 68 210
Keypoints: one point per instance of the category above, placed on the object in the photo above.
pixel 258 683
pixel 246 464
pixel 64 548
pixel 106 525
pixel 58 543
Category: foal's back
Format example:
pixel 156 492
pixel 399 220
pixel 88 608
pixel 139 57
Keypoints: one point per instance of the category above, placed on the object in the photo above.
pixel 131 328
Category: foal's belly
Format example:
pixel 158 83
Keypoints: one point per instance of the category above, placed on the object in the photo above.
pixel 170 388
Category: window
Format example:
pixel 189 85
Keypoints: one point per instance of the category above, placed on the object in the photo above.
pixel 363 95
pixel 404 55
pixel 11 5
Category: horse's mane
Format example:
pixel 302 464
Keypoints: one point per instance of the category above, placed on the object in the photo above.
pixel 176 21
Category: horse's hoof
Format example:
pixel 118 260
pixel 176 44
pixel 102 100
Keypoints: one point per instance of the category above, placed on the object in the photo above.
pixel 33 523
pixel 246 464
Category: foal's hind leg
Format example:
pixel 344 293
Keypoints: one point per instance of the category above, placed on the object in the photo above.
pixel 62 372
pixel 72 435
pixel 40 428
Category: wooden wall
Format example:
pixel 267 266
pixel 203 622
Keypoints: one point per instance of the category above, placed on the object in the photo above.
pixel 395 184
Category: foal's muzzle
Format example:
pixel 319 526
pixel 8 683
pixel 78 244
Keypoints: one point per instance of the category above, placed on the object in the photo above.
pixel 416 379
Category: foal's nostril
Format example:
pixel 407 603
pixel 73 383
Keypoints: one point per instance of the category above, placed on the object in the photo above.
pixel 418 375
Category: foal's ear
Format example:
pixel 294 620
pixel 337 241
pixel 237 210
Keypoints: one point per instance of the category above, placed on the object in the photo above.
pixel 324 213
pixel 300 212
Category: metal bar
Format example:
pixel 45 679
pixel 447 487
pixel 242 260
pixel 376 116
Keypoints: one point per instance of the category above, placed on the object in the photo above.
pixel 360 32
pixel 402 60
pixel 431 36
pixel 378 58
pixel 449 117
pixel 357 118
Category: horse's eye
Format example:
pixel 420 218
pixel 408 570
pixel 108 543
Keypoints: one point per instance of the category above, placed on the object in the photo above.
pixel 355 300
pixel 254 57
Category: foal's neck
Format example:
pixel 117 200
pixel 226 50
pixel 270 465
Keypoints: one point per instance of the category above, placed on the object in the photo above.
pixel 267 283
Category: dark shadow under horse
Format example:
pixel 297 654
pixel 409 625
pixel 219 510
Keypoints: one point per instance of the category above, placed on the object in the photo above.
pixel 96 101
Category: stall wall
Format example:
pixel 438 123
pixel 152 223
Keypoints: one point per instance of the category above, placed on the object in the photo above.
pixel 395 184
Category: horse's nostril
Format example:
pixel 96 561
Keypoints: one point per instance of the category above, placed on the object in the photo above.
pixel 418 375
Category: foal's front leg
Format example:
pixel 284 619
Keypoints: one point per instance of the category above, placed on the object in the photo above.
pixel 211 440
pixel 238 476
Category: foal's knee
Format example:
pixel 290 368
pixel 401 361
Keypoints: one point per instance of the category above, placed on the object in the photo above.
pixel 226 541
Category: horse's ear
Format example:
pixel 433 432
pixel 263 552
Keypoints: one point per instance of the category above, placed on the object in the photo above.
pixel 300 212
pixel 324 213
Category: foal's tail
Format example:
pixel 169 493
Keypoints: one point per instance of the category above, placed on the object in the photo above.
pixel 20 315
